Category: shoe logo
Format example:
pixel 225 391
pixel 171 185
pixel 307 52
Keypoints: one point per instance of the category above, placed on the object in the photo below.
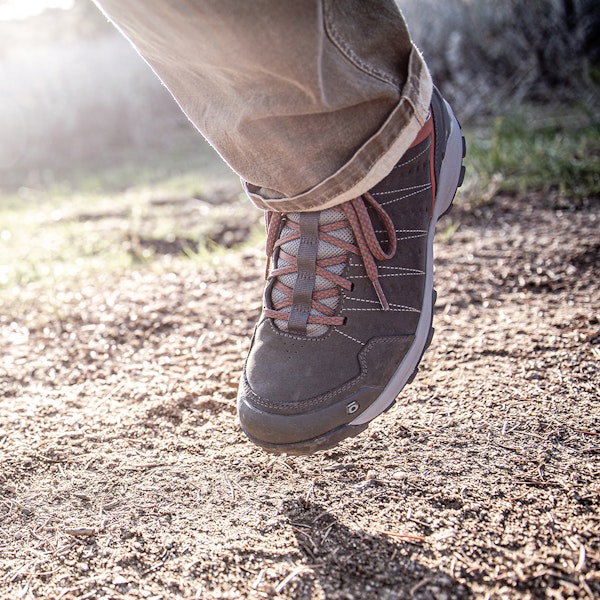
pixel 352 407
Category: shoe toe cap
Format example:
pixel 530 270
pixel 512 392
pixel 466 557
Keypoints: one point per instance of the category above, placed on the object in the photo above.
pixel 295 390
pixel 274 429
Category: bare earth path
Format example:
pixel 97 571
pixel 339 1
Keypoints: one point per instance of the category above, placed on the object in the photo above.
pixel 124 473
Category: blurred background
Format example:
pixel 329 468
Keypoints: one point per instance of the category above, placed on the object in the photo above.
pixel 101 172
pixel 74 92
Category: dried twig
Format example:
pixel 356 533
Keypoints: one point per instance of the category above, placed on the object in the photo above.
pixel 144 466
pixel 258 579
pixel 80 531
pixel 582 556
pixel 289 578
pixel 401 536
pixel 418 586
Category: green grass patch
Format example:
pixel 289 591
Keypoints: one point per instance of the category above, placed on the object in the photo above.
pixel 70 230
pixel 557 154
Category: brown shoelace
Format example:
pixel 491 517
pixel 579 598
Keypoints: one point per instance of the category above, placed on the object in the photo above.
pixel 367 247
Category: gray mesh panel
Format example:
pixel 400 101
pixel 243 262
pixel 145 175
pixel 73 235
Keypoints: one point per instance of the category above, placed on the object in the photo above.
pixel 325 250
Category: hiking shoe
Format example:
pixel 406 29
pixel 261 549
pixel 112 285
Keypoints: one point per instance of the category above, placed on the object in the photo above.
pixel 349 301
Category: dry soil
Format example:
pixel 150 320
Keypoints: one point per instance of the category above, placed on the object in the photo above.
pixel 124 473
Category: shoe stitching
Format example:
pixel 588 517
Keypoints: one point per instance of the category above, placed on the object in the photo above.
pixel 412 274
pixel 421 232
pixel 409 237
pixel 421 186
pixel 350 337
pixel 418 271
pixel 406 272
pixel 402 230
pixel 318 399
pixel 407 196
pixel 426 149
pixel 375 302
pixel 405 309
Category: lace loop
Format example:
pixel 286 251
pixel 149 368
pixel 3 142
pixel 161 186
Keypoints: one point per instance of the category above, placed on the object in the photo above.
pixel 369 246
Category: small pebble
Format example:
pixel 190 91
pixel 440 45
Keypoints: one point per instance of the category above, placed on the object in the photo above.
pixel 119 580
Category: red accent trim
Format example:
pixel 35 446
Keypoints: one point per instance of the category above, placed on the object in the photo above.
pixel 428 131
pixel 425 131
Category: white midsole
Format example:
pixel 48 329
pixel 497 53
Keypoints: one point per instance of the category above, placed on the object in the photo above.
pixel 446 188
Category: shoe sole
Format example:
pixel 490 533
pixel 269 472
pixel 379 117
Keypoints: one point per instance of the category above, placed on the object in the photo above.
pixel 450 179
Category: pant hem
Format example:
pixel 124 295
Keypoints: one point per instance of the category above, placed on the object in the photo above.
pixel 375 159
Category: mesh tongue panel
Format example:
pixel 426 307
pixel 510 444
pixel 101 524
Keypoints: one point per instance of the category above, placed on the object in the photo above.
pixel 325 250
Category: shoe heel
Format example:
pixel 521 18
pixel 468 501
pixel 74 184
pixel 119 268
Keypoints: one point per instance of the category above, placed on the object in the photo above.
pixel 452 171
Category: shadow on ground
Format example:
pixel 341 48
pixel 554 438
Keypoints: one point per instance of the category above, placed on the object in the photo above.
pixel 351 563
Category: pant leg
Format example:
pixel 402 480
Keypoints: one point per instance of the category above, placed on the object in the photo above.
pixel 311 102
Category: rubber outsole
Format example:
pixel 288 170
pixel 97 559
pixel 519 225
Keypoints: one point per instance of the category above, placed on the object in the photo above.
pixel 334 437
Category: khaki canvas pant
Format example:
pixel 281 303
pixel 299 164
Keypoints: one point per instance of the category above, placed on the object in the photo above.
pixel 311 102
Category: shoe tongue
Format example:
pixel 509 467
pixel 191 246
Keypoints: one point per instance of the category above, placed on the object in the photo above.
pixel 324 250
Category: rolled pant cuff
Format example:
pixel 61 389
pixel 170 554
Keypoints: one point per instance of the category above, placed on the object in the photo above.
pixel 375 159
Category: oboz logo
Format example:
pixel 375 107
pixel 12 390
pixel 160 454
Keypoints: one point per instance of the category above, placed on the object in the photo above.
pixel 352 407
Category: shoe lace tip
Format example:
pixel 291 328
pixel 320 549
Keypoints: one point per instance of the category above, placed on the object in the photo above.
pixel 381 295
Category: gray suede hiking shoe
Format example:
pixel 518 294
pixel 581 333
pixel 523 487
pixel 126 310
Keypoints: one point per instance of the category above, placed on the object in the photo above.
pixel 349 301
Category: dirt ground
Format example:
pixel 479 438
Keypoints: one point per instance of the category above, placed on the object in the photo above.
pixel 124 473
